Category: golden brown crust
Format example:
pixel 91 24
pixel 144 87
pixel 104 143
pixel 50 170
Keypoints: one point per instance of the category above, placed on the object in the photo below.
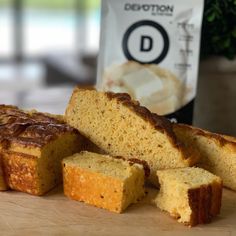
pixel 159 122
pixel 221 139
pixel 21 172
pixel 93 188
pixel 217 152
pixel 205 203
pixel 34 128
pixel 32 145
pixel 3 184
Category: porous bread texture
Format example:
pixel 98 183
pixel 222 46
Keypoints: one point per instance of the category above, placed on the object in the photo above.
pixel 217 152
pixel 121 127
pixel 191 195
pixel 38 170
pixel 103 181
pixel 32 146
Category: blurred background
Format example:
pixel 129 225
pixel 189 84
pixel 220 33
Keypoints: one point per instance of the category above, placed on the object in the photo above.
pixel 48 46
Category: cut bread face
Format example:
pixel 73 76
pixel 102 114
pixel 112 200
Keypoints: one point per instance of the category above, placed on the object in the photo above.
pixel 191 195
pixel 103 181
pixel 121 127
pixel 32 146
pixel 217 152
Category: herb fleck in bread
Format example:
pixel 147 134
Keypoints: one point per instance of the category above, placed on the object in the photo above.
pixel 32 146
pixel 121 127
pixel 217 152
pixel 192 195
pixel 103 181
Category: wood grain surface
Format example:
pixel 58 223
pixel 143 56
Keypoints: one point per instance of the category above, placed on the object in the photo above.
pixel 54 214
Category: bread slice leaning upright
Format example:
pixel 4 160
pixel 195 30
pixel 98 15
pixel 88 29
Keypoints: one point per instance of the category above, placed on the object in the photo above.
pixel 121 127
pixel 217 152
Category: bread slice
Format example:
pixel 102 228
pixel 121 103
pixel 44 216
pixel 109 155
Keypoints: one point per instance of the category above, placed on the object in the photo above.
pixel 192 195
pixel 32 146
pixel 121 127
pixel 217 152
pixel 103 181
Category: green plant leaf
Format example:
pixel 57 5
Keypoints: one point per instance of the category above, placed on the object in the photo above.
pixel 211 17
pixel 234 33
pixel 219 28
pixel 226 43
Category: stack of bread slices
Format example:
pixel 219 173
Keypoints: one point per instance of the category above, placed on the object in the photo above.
pixel 122 145
pixel 121 127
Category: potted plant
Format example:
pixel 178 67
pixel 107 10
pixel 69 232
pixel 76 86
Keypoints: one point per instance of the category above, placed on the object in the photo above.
pixel 216 96
pixel 219 35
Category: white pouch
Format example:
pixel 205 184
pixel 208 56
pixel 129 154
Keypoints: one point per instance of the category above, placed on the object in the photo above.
pixel 150 49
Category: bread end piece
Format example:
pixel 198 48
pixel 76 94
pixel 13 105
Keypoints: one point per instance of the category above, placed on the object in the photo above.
pixel 191 195
pixel 217 152
pixel 38 171
pixel 205 203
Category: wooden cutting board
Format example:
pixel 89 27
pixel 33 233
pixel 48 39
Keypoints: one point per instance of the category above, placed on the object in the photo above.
pixel 54 214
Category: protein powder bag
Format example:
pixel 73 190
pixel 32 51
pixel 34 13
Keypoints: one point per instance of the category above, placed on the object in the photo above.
pixel 150 49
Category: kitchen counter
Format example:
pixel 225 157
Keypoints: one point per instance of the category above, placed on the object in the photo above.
pixel 54 214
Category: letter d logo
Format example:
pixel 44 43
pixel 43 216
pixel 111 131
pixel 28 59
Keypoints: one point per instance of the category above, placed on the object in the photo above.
pixel 146 42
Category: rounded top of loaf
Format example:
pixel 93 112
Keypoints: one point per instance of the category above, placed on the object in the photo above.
pixel 29 128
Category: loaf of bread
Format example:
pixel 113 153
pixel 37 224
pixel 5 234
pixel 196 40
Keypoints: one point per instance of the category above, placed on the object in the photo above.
pixel 32 146
pixel 217 152
pixel 192 195
pixel 121 127
pixel 103 181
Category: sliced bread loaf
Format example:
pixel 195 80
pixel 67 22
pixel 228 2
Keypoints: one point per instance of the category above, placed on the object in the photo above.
pixel 192 195
pixel 32 146
pixel 103 181
pixel 121 127
pixel 217 152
